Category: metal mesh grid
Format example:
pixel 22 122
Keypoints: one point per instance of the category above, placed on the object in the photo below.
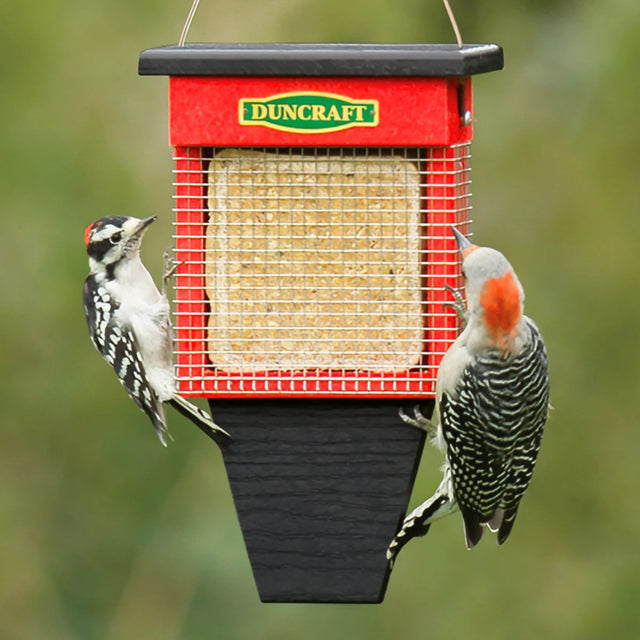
pixel 315 271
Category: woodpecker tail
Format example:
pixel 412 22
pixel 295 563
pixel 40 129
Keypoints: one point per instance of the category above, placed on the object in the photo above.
pixel 507 524
pixel 200 419
pixel 501 522
pixel 473 528
pixel 155 411
pixel 418 522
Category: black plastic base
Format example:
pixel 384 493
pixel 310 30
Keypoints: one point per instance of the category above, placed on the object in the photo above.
pixel 320 488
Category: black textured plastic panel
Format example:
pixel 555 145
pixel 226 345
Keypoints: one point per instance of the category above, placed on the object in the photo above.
pixel 320 488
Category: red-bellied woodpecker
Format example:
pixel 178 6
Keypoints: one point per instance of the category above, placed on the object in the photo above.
pixel 492 401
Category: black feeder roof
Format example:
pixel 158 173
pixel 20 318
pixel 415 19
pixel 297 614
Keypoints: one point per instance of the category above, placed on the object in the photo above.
pixel 325 59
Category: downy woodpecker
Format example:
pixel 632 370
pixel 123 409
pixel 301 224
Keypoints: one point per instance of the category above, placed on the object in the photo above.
pixel 492 401
pixel 129 323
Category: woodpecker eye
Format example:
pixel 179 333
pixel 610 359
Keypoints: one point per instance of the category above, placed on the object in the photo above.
pixel 116 237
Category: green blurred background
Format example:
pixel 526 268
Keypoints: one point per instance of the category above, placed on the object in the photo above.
pixel 104 534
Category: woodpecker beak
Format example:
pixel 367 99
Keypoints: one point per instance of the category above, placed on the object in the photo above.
pixel 145 222
pixel 142 225
pixel 465 246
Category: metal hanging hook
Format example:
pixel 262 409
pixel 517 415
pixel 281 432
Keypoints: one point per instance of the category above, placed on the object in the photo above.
pixel 187 24
pixel 454 24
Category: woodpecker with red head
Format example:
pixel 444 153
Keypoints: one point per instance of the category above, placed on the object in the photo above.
pixel 129 323
pixel 492 401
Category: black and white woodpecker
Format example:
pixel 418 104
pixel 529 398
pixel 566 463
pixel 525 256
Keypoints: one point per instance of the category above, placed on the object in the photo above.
pixel 129 322
pixel 492 401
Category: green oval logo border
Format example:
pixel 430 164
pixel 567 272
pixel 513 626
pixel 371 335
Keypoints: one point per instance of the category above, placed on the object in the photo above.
pixel 308 112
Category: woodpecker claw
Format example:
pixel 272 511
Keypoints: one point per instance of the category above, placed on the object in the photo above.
pixel 418 421
pixel 170 267
pixel 457 305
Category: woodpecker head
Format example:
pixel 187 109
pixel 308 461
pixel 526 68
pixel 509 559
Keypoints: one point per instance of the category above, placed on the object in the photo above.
pixel 493 291
pixel 114 238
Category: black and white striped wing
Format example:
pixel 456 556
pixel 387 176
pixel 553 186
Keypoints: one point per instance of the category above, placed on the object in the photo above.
pixel 98 310
pixel 118 346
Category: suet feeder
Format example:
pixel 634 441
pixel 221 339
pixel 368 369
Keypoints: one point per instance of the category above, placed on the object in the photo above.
pixel 314 189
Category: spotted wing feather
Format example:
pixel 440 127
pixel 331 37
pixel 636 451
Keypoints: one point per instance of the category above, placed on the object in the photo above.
pixel 118 346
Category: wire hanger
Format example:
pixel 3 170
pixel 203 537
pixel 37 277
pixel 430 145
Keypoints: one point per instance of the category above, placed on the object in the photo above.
pixel 194 8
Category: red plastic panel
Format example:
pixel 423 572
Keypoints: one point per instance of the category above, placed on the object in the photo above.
pixel 206 111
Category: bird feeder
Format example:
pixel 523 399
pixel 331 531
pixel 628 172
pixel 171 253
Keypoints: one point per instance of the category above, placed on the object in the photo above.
pixel 314 189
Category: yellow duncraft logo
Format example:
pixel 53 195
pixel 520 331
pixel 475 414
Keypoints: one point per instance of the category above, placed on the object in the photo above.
pixel 308 112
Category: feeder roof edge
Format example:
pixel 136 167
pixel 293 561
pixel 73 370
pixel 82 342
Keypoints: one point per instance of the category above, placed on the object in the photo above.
pixel 321 59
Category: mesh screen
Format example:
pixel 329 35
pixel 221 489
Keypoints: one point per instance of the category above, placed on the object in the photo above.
pixel 316 271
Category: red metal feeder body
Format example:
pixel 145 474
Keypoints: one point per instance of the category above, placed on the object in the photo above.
pixel 314 189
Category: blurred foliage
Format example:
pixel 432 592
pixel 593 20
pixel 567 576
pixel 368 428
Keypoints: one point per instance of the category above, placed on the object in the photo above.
pixel 107 535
